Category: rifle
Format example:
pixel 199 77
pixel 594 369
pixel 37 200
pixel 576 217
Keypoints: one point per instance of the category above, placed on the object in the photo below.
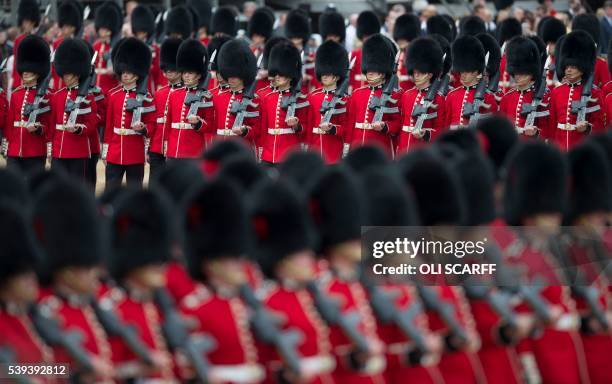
pixel 290 104
pixel 531 109
pixel 86 13
pixel 239 108
pixel 445 311
pixel 580 108
pixel 379 104
pixel 32 110
pixel 113 44
pixel 472 110
pixel 267 330
pixel 420 111
pixel 194 100
pixel 73 107
pixel 7 358
pixel 178 337
pixel 136 105
pixel 159 29
pixel 445 84
pixel 328 108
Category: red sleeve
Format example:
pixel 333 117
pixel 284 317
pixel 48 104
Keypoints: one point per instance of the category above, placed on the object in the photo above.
pixel 350 120
pixel 340 120
pixel 439 124
pixel 544 122
pixel 491 102
pixel 263 122
pixel 608 111
pixel 597 118
pixel 149 119
pixel 47 120
pixel 552 119
pixel 108 127
pixel 446 121
pixel 253 122
pixel 91 119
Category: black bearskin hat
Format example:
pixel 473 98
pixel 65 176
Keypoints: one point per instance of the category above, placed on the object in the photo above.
pixel 367 156
pixel 204 11
pixel 261 23
pixel 425 55
pixel 498 137
pixel 523 56
pixel 72 56
pixel 297 25
pixel 133 55
pixel 577 49
pixel 243 170
pixel 195 21
pixel 216 224
pixel 271 43
pixel 225 20
pixel 302 168
pixel 13 187
pixel 551 29
pixel 492 48
pixel 142 20
pixel 468 54
pixel 331 58
pixel 378 55
pixel 503 4
pixel 67 225
pixel 177 178
pixel 535 182
pixel 477 178
pixel 446 52
pixel 280 223
pixel 167 53
pixel 331 23
pixel 28 10
pixel 462 139
pixel 508 29
pixel 336 207
pixel 215 44
pixel 541 50
pixel 368 24
pixel 141 231
pixel 590 182
pixel 438 24
pixel 69 13
pixel 589 23
pixel 19 252
pixel 192 57
pixel 285 60
pixel 179 22
pixel 237 60
pixel 407 27
pixel 108 15
pixel 33 55
pixel 471 26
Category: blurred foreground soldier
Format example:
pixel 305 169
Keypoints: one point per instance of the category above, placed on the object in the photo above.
pixel 368 24
pixel 297 30
pixel 535 197
pixel 25 133
pixel 284 251
pixel 159 137
pixel 260 29
pixel 124 138
pixel 326 135
pixel 108 22
pixel 570 122
pixel 141 238
pixel 407 27
pixel 527 103
pixel 185 126
pixel 28 19
pixel 67 227
pixel 281 131
pixel 178 23
pixel 424 63
pixel 217 238
pixel 551 30
pixel 365 103
pixel 332 26
pixel 589 23
pixel 236 110
pixel 70 21
pixel 143 28
pixel 70 140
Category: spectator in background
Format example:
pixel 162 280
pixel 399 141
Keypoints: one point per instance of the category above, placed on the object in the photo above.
pixel 127 26
pixel 396 11
pixel 426 13
pixel 606 27
pixel 484 13
pixel 351 33
pixel 248 8
pixel 576 7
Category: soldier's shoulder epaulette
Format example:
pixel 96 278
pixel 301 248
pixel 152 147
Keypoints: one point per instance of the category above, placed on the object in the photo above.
pixel 165 87
pixel 454 90
pixel 360 88
pixel 196 298
pixel 318 90
pixel 50 304
pixel 18 88
pixel 59 90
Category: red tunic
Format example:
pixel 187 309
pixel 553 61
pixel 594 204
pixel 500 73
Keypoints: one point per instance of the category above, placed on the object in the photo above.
pixel 123 145
pixel 512 103
pixel 68 145
pixel 156 76
pixel 22 143
pixel 357 79
pixel 562 121
pixel 327 144
pixel 221 128
pixel 159 136
pixel 456 100
pixel 94 139
pixel 504 76
pixel 602 74
pixel 608 111
pixel 184 140
pixel 16 76
pixel 105 78
pixel 432 127
pixel 358 130
pixel 276 138
pixel 607 88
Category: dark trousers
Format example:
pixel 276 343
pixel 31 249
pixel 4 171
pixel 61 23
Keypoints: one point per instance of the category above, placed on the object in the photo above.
pixel 134 175
pixel 157 163
pixel 27 165
pixel 77 168
pixel 92 170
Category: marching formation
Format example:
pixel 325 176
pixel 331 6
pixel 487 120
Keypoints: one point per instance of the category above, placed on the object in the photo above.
pixel 242 260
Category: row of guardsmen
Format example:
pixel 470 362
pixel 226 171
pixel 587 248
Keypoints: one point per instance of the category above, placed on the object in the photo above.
pixel 401 94
pixel 227 271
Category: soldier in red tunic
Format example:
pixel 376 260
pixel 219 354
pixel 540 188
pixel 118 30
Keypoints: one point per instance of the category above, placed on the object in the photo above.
pixel 68 229
pixel 27 134
pixel 364 104
pixel 143 28
pixel 237 64
pixel 140 246
pixel 185 125
pixel 108 24
pixel 424 64
pixel 280 133
pixel 265 82
pixel 124 138
pixel 332 26
pixel 469 61
pixel 551 30
pixel 297 30
pixel 326 138
pixel 259 30
pixel 525 66
pixel 368 24
pixel 70 138
pixel 575 66
pixel 507 29
pixel 590 23
pixel 407 27
pixel 28 19
pixel 216 228
pixel 607 88
pixel 70 21
pixel 286 257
